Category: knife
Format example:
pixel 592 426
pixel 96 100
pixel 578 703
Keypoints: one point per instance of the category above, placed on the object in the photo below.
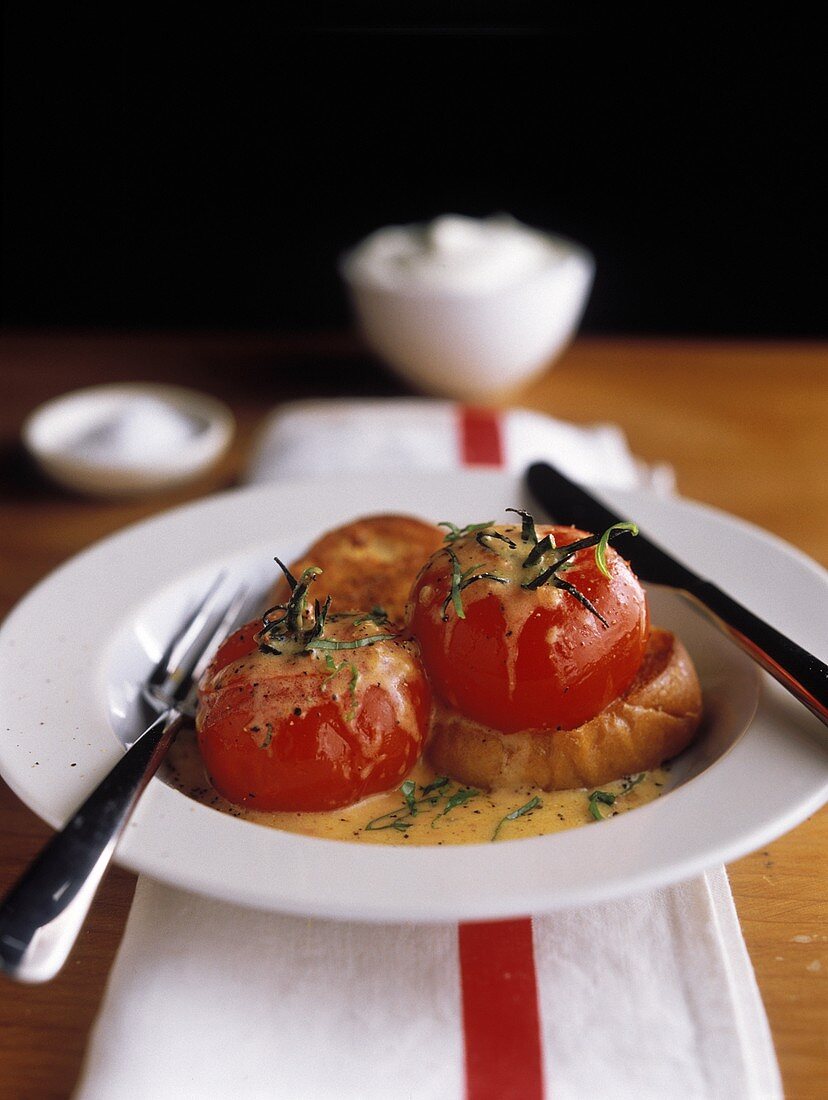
pixel 800 672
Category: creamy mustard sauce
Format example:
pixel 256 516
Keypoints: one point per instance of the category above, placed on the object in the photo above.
pixel 472 821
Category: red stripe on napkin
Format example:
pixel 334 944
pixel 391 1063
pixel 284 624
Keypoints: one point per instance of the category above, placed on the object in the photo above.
pixel 481 442
pixel 500 1011
pixel 501 1021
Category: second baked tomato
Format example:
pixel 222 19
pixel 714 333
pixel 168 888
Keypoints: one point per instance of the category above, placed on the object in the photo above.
pixel 519 633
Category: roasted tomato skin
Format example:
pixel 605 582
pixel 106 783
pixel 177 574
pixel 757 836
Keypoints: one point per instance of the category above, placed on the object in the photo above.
pixel 528 659
pixel 299 732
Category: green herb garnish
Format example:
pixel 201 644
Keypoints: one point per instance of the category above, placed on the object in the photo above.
pixel 352 682
pixel 527 530
pixel 430 795
pixel 462 579
pixel 481 537
pixel 533 804
pixel 392 819
pixel 407 791
pixel 293 627
pixel 601 548
pixel 457 799
pixel 400 826
pixel 355 643
pixel 562 555
pixel 435 785
pixel 595 798
pixel 333 666
pixel 607 798
pixel 411 805
pixel 540 551
pixel 454 532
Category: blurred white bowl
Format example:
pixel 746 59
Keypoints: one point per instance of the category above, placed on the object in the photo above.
pixel 471 341
pixel 128 439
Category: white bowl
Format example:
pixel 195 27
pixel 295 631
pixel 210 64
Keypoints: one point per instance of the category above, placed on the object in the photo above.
pixel 473 344
pixel 57 435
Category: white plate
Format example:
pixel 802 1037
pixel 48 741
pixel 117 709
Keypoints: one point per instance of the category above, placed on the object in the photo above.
pixel 73 647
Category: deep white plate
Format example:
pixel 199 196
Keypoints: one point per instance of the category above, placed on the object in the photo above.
pixel 72 651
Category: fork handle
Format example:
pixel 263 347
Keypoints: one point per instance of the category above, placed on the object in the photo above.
pixel 42 914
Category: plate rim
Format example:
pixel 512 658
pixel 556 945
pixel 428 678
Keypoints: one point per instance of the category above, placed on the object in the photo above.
pixel 156 803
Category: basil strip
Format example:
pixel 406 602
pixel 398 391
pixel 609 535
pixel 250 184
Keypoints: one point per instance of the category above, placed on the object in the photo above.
pixel 601 548
pixel 356 643
pixel 533 804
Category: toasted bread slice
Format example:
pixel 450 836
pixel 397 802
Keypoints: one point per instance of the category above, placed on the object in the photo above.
pixel 369 563
pixel 654 720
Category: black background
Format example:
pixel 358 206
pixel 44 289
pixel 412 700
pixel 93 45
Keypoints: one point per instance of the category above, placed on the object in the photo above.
pixel 174 168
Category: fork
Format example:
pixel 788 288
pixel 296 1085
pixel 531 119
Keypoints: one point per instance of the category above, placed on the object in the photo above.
pixel 42 914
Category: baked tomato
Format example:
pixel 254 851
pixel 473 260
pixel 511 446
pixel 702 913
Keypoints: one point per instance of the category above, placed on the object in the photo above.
pixel 306 710
pixel 523 627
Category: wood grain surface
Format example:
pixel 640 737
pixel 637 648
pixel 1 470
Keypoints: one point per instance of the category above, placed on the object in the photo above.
pixel 742 425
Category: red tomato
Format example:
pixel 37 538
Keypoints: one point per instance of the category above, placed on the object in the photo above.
pixel 516 658
pixel 312 729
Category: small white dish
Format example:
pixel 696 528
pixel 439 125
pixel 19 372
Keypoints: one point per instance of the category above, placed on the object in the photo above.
pixel 472 340
pixel 128 439
pixel 105 615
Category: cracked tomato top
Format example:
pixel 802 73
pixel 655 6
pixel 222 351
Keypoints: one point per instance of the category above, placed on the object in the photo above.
pixel 523 627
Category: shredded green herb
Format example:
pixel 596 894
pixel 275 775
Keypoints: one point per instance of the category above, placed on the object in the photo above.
pixel 400 826
pixel 407 790
pixel 352 681
pixel 411 805
pixel 333 666
pixel 354 643
pixel 435 785
pixel 562 556
pixel 461 580
pixel 607 798
pixel 603 542
pixel 533 804
pixel 430 795
pixel 457 799
pixel 540 552
pixel 454 532
pixel 527 529
pixel 482 536
pixel 294 628
pixel 595 798
pixel 391 819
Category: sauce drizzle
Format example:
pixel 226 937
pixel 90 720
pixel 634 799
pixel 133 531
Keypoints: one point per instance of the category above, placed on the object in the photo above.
pixel 472 821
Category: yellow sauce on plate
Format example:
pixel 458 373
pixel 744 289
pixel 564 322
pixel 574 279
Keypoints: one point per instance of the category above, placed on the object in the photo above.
pixel 387 819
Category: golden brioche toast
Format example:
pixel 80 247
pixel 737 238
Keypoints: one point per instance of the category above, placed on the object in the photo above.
pixel 369 563
pixel 651 722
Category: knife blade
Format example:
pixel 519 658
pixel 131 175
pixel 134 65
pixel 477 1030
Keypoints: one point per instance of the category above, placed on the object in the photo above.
pixel 800 672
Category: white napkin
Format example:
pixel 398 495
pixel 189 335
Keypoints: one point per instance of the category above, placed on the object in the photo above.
pixel 651 996
pixel 423 434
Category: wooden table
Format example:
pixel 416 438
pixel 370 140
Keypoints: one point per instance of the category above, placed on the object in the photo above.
pixel 744 426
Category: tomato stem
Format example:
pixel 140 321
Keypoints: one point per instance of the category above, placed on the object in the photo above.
pixel 291 627
pixel 527 530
